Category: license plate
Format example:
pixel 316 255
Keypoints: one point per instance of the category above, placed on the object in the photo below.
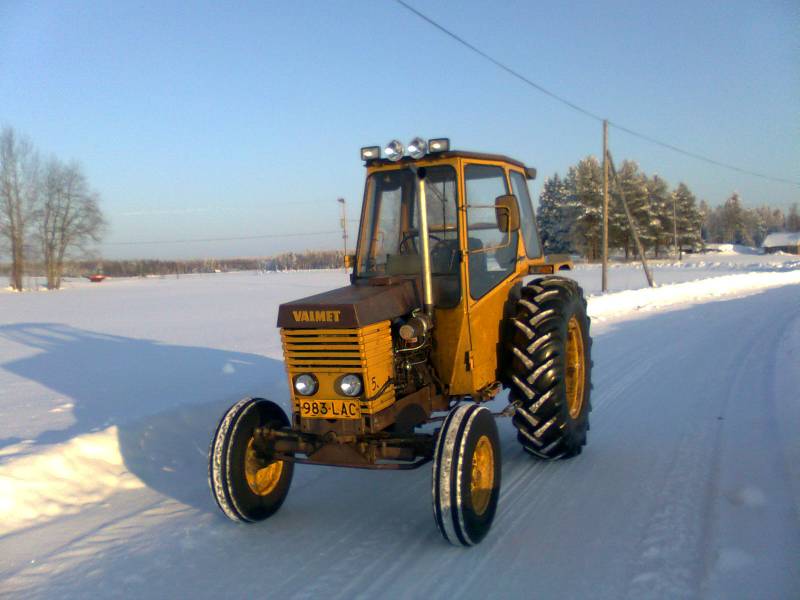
pixel 330 409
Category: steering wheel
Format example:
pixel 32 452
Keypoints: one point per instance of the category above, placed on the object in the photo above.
pixel 410 235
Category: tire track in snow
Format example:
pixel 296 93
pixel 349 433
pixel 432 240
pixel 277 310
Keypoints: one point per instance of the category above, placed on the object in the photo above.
pixel 672 553
pixel 752 528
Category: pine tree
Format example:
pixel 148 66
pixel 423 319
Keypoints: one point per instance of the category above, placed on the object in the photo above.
pixel 555 217
pixel 773 218
pixel 688 218
pixel 660 205
pixel 793 219
pixel 633 183
pixel 755 227
pixel 734 228
pixel 584 183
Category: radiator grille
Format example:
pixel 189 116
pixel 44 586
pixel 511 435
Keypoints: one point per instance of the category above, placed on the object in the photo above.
pixel 366 351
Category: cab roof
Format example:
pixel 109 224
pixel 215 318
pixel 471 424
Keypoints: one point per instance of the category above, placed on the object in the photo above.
pixel 448 154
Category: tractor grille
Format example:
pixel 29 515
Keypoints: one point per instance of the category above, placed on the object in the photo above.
pixel 327 352
pixel 322 348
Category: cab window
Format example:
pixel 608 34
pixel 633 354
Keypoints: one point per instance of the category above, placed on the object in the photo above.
pixel 389 242
pixel 519 187
pixel 492 253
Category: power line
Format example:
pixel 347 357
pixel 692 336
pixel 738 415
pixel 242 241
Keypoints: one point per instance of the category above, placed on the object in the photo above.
pixel 226 239
pixel 700 156
pixel 497 63
pixel 582 110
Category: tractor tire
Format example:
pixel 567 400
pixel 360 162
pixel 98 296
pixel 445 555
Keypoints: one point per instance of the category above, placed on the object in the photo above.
pixel 466 475
pixel 246 487
pixel 549 369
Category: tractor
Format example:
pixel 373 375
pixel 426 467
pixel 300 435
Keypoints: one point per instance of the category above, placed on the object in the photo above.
pixel 395 370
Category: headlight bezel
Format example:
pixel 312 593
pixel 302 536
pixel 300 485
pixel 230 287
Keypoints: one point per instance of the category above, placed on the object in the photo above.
pixel 314 382
pixel 344 380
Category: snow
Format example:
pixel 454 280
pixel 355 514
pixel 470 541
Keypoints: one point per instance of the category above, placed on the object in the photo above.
pixel 61 479
pixel 783 238
pixel 731 249
pixel 690 484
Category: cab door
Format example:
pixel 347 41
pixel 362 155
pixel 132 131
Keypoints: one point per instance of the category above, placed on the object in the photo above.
pixel 491 268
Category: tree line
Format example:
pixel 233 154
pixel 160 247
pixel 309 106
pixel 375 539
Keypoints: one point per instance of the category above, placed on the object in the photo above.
pixel 287 261
pixel 732 223
pixel 48 213
pixel 667 220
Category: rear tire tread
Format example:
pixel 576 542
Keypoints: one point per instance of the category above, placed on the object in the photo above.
pixel 545 428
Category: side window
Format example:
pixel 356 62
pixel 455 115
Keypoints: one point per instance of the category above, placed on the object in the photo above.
pixel 492 255
pixel 528 224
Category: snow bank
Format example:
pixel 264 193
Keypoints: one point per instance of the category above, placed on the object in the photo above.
pixel 733 249
pixel 60 479
pixel 622 304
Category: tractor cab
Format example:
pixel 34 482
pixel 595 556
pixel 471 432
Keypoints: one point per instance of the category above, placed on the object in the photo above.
pixel 481 240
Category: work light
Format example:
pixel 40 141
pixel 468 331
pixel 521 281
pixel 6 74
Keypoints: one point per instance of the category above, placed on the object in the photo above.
pixel 417 148
pixel 370 153
pixel 394 150
pixel 439 145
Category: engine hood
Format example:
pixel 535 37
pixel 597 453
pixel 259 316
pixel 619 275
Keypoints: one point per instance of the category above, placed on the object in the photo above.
pixel 350 307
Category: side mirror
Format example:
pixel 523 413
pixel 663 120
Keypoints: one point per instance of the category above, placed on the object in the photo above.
pixel 349 260
pixel 506 210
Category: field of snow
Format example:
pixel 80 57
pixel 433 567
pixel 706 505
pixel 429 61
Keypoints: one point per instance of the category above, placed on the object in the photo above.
pixel 689 486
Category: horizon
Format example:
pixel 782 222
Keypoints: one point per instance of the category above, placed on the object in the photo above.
pixel 199 123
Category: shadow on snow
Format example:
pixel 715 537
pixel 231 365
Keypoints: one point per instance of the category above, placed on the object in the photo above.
pixel 165 400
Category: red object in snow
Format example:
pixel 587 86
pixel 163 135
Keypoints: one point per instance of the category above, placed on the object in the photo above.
pixel 96 278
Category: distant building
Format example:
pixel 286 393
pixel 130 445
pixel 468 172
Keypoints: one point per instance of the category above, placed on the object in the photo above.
pixel 782 242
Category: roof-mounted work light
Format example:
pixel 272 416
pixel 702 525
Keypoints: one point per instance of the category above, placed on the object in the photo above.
pixel 370 153
pixel 393 150
pixel 417 148
pixel 439 145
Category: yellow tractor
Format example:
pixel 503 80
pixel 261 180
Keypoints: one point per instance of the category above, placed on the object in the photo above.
pixel 395 370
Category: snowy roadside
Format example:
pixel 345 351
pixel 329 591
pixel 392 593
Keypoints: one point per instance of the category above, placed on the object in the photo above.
pixel 61 478
pixel 65 478
pixel 625 305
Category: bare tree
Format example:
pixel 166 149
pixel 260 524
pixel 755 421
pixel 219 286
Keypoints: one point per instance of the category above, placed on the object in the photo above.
pixel 18 196
pixel 68 218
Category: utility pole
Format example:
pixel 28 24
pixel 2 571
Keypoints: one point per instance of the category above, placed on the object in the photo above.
pixel 675 228
pixel 605 206
pixel 344 229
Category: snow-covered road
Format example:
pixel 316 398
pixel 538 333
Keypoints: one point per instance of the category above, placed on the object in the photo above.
pixel 689 486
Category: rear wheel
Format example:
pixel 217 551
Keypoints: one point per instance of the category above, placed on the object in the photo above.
pixel 550 368
pixel 247 485
pixel 466 475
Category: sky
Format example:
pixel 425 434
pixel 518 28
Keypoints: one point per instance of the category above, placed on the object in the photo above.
pixel 209 120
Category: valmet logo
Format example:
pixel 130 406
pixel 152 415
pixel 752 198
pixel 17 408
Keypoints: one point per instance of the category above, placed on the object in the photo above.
pixel 316 316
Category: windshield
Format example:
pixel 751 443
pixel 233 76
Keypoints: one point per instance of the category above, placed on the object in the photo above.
pixel 389 241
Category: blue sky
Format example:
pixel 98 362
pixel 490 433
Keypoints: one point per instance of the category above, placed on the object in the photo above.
pixel 214 120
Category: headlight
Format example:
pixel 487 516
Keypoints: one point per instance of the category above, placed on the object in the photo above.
pixel 305 384
pixel 393 150
pixel 417 148
pixel 349 385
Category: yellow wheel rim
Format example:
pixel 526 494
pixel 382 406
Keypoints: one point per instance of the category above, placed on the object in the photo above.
pixel 482 475
pixel 261 480
pixel 576 368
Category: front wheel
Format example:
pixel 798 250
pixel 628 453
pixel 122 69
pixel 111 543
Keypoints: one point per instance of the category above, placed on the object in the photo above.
pixel 247 485
pixel 466 475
